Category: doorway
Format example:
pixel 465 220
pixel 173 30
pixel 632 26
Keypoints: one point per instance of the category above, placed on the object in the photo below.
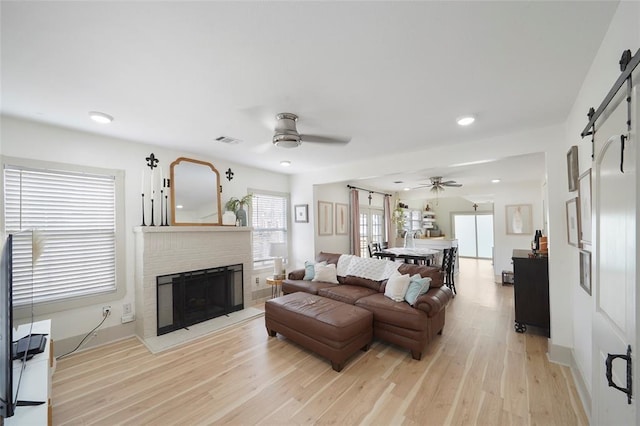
pixel 371 228
pixel 474 232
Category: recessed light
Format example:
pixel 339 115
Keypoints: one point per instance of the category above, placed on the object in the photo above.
pixel 179 206
pixel 495 180
pixel 285 163
pixel 100 117
pixel 466 120
pixel 407 189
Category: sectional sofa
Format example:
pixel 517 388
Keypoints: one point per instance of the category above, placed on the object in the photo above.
pixel 410 327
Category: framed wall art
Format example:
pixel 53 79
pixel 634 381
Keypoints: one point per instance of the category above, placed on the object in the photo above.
pixel 572 168
pixel 585 271
pixel 342 218
pixel 518 217
pixel 301 213
pixel 573 222
pixel 584 197
pixel 325 218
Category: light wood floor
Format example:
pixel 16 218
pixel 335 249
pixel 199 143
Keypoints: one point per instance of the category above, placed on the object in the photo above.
pixel 478 372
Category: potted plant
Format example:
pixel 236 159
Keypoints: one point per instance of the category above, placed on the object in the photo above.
pixel 398 218
pixel 237 207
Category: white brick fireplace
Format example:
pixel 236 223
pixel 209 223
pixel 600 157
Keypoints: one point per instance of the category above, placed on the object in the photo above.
pixel 163 250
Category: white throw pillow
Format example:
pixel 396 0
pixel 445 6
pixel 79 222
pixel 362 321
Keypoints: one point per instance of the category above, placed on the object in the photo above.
pixel 325 273
pixel 397 286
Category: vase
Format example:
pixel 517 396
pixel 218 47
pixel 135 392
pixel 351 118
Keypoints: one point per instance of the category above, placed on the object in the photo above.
pixel 241 215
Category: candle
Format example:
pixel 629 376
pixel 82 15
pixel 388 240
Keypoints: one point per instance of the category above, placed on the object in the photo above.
pixel 152 192
pixel 142 183
pixel 161 178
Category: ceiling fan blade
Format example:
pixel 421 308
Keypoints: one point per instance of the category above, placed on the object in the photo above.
pixel 457 185
pixel 447 182
pixel 325 139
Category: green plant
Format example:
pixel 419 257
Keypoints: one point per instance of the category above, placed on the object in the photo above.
pixel 234 204
pixel 398 217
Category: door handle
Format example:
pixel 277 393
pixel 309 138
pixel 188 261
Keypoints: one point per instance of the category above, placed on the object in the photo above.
pixel 609 364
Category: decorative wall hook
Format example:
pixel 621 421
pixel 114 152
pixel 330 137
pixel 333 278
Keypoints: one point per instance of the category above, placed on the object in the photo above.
pixel 152 161
pixel 229 174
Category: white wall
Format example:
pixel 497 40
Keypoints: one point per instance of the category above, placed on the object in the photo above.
pixel 623 33
pixel 25 139
pixel 332 193
pixel 504 243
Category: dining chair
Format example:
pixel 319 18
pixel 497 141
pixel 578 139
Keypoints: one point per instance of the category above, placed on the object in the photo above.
pixel 377 252
pixel 448 262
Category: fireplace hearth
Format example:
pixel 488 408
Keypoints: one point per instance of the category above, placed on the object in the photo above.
pixel 187 298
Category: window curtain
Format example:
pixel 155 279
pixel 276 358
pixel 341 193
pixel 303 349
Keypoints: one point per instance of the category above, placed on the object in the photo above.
pixel 387 218
pixel 354 237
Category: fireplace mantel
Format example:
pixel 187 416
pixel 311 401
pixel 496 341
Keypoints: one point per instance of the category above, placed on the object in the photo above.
pixel 164 250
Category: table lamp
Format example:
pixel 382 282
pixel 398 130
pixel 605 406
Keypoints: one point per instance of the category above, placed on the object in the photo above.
pixel 278 251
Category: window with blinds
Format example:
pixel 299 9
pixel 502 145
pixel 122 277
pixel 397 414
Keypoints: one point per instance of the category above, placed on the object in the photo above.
pixel 269 221
pixel 73 216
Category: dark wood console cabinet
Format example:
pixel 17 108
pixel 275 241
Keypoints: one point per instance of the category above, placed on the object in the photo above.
pixel 531 291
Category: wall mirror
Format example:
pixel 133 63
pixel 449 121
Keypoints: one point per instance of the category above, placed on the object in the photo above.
pixel 195 193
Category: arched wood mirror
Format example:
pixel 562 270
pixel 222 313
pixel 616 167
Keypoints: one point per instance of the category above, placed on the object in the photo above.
pixel 195 193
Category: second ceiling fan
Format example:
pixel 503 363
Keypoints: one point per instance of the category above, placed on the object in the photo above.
pixel 438 185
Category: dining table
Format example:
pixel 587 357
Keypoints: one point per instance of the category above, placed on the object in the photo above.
pixel 418 254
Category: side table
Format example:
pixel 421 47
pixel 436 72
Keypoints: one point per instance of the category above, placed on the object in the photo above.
pixel 275 284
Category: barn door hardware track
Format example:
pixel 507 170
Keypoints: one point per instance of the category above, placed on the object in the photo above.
pixel 627 64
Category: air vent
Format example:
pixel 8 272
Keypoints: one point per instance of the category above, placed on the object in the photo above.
pixel 227 140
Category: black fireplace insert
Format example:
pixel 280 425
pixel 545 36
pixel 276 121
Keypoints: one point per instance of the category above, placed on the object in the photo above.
pixel 188 298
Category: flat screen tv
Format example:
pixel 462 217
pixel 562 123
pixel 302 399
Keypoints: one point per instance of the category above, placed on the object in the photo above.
pixel 16 265
pixel 7 401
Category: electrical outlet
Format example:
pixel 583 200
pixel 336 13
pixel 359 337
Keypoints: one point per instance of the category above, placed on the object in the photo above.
pixel 106 311
pixel 126 309
pixel 257 280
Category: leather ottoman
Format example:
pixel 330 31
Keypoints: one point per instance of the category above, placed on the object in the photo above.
pixel 332 329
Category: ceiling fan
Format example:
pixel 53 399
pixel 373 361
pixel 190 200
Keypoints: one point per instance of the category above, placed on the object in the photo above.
pixel 286 135
pixel 438 185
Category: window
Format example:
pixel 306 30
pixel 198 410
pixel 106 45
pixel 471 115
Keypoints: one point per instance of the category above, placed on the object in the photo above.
pixel 474 232
pixel 371 228
pixel 74 214
pixel 269 220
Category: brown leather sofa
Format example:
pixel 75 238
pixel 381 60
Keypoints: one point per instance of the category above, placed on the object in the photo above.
pixel 410 327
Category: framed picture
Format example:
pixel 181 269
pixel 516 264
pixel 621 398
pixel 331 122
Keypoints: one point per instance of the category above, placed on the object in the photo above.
pixel 584 197
pixel 342 218
pixel 518 219
pixel 301 213
pixel 325 218
pixel 572 168
pixel 585 271
pixel 573 222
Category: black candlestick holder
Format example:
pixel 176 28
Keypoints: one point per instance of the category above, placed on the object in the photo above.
pixel 152 214
pixel 166 210
pixel 143 224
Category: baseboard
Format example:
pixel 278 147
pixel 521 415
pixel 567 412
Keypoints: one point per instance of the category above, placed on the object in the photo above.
pixel 565 356
pixel 102 336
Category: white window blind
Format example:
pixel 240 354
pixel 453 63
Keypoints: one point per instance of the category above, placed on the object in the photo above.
pixel 74 216
pixel 269 221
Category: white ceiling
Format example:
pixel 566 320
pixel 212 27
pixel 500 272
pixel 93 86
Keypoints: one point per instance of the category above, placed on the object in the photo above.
pixel 387 74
